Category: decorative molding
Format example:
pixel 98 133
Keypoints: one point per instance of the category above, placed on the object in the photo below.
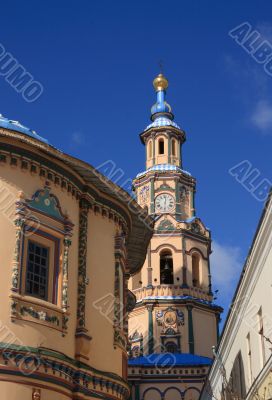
pixel 120 304
pixel 166 247
pixel 165 187
pixel 56 175
pixel 41 315
pixel 47 203
pixel 196 250
pixel 35 311
pixel 166 225
pixel 42 365
pixel 136 336
pixel 64 302
pixel 30 215
pixel 170 317
pixel 19 224
pixel 120 339
pixel 82 262
pixel 195 227
pixel 36 394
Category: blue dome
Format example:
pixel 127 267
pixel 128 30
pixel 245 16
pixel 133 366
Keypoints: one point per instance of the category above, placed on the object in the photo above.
pixel 17 126
pixel 161 112
pixel 160 107
pixel 162 121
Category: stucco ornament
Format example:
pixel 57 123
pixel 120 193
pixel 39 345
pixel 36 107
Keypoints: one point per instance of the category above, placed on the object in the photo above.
pixel 144 194
pixel 82 261
pixel 166 225
pixel 67 243
pixel 170 317
pixel 19 224
pixel 36 394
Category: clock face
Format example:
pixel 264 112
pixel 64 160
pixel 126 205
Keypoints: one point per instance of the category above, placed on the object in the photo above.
pixel 164 203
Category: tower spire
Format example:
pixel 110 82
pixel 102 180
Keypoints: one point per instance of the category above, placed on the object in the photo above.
pixel 161 107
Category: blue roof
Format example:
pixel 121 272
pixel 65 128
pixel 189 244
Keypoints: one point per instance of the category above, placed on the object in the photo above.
pixel 163 167
pixel 186 297
pixel 162 121
pixel 17 126
pixel 168 360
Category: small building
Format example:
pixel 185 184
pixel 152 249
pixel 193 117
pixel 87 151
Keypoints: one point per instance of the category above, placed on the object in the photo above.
pixel 242 367
pixel 70 239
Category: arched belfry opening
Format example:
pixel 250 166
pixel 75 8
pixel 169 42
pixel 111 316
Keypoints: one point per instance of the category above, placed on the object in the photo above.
pixel 166 268
pixel 173 147
pixel 161 146
pixel 195 269
pixel 150 149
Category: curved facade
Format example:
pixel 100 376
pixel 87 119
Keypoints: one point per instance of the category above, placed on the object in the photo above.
pixel 70 239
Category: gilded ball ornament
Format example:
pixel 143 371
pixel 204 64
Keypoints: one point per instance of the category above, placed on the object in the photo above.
pixel 160 83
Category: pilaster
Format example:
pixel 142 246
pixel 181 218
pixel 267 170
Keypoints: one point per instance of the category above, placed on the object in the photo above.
pixel 150 329
pixel 82 337
pixel 191 330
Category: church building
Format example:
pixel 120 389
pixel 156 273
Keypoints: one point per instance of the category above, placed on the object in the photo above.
pixel 174 324
pixel 70 239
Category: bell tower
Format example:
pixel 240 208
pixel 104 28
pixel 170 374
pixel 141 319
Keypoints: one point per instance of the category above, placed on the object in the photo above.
pixel 175 315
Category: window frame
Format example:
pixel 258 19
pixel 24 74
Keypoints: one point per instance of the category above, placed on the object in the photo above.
pixel 44 239
pixel 167 254
pixel 46 267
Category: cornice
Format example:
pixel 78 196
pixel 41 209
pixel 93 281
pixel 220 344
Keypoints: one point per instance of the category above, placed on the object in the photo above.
pixel 169 130
pixel 91 183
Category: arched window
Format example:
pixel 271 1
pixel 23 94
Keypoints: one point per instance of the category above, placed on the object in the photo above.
pixel 195 269
pixel 237 378
pixel 173 147
pixel 150 149
pixel 161 146
pixel 171 347
pixel 166 268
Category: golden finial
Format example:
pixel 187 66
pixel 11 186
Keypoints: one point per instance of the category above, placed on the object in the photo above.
pixel 160 83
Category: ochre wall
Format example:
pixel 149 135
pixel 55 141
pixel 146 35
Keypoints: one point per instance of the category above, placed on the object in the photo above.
pixel 100 272
pixel 100 294
pixel 30 334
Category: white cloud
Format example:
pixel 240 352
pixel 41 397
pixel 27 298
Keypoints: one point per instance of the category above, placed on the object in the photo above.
pixel 262 116
pixel 226 267
pixel 78 138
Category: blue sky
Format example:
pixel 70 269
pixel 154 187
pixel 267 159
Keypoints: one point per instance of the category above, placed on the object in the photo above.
pixel 96 61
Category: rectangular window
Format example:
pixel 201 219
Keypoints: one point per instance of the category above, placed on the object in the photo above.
pixel 37 267
pixel 261 333
pixel 249 358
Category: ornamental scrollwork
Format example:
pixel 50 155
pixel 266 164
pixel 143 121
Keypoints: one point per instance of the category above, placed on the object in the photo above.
pixel 166 225
pixel 19 224
pixel 67 243
pixel 82 261
pixel 170 318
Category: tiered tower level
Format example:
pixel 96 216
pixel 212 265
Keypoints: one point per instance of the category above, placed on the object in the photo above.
pixel 174 311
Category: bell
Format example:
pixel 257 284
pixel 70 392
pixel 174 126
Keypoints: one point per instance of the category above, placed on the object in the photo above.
pixel 166 266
